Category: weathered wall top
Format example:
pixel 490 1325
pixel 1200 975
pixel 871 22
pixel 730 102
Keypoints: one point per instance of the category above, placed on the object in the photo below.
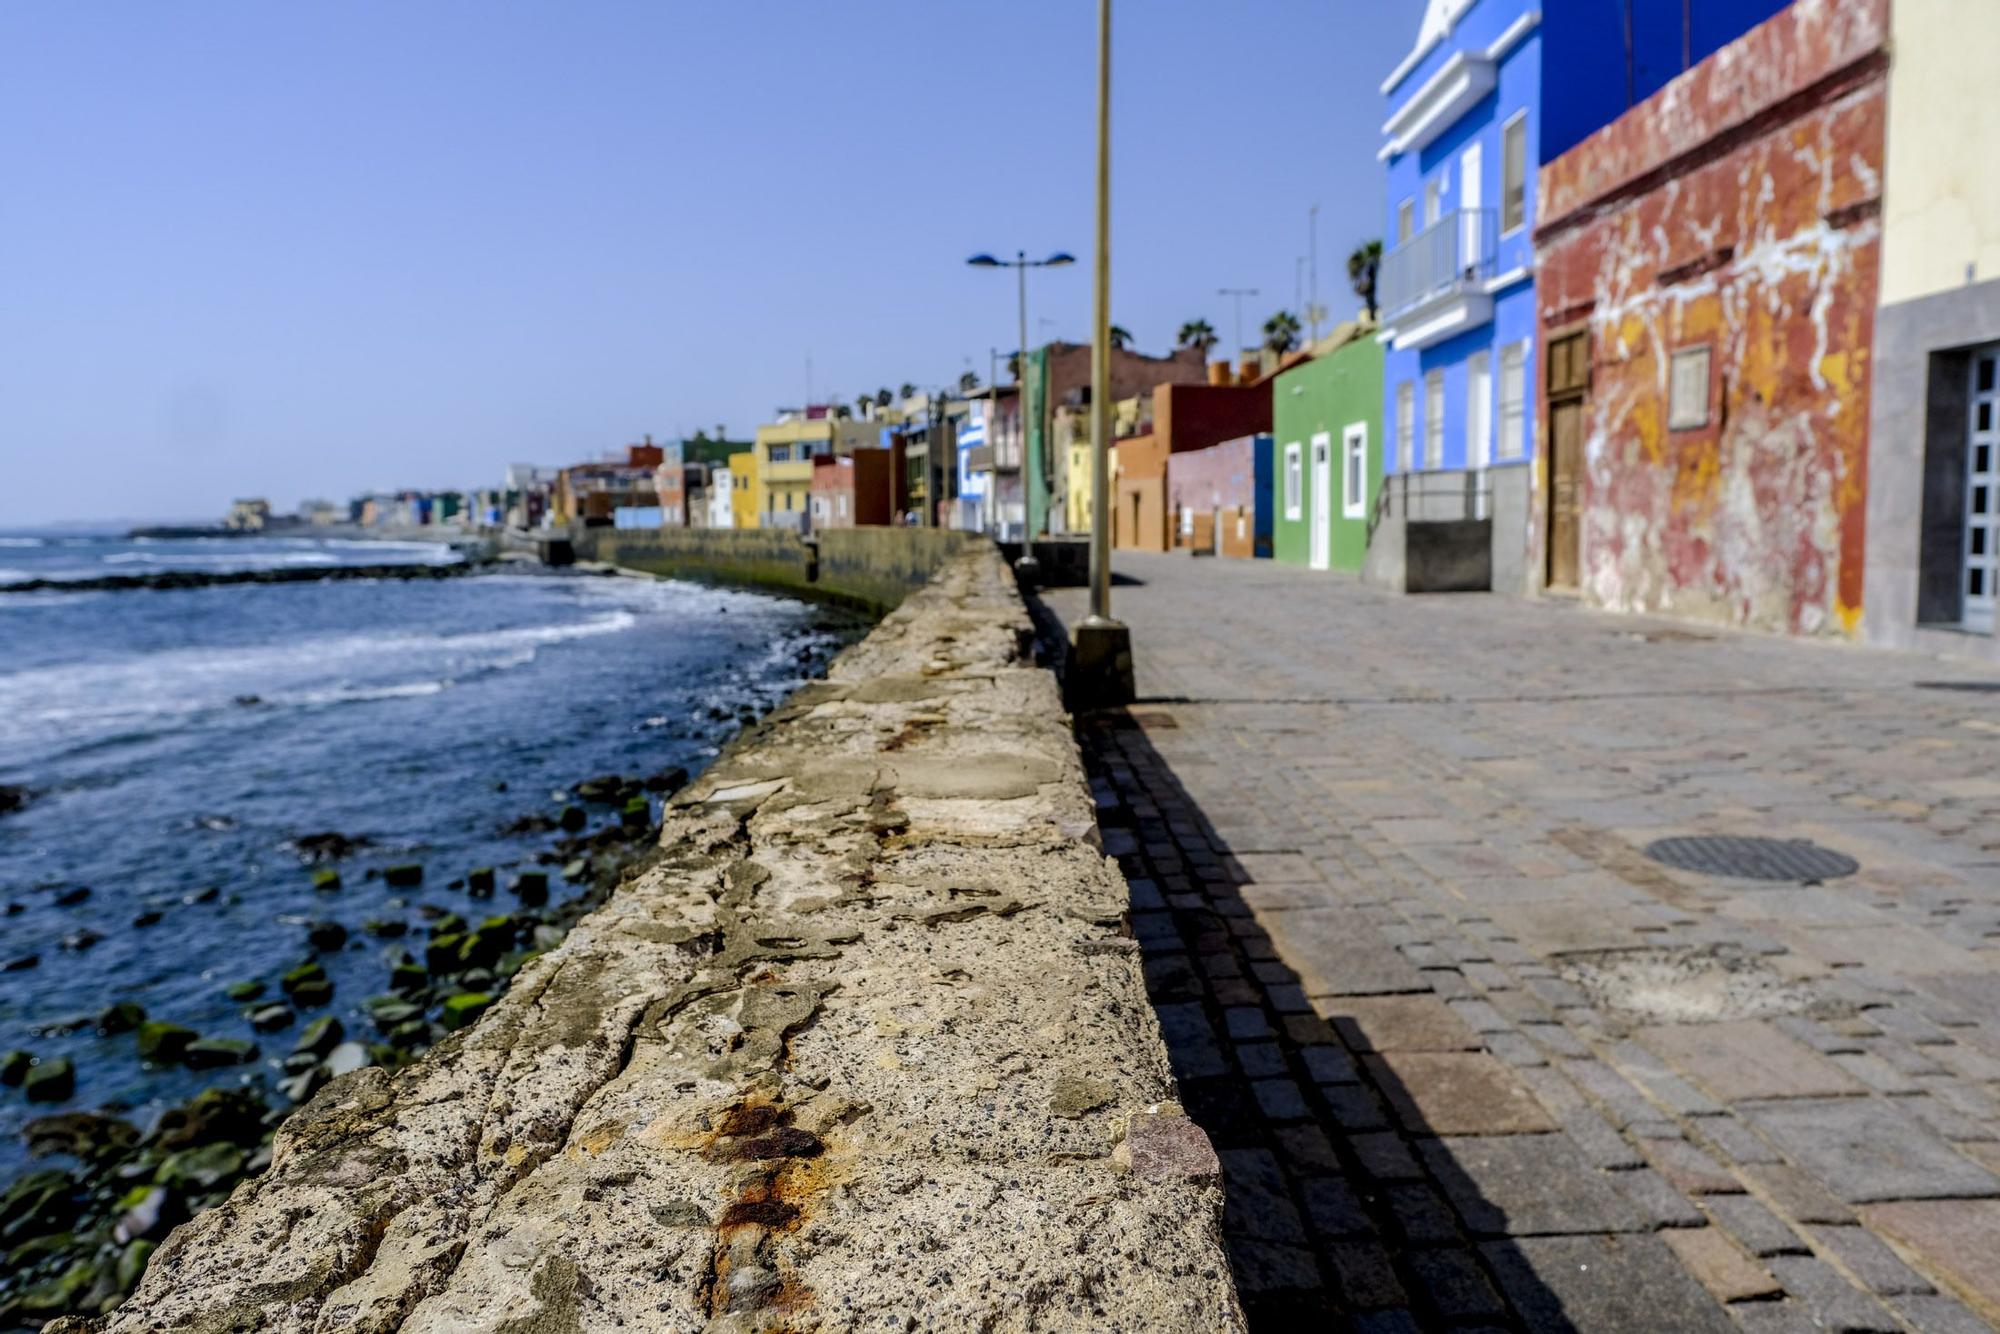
pixel 868 1047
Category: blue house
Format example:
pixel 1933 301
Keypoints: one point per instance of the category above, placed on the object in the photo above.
pixel 1470 117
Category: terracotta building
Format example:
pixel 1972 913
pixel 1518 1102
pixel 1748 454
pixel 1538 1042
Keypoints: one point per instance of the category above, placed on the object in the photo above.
pixel 1706 286
pixel 1185 417
pixel 855 490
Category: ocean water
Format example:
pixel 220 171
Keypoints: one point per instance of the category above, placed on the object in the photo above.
pixel 82 554
pixel 175 742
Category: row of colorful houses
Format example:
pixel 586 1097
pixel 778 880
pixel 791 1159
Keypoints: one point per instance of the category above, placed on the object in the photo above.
pixel 1709 325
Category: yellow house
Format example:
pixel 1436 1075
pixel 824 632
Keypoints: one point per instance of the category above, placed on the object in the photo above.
pixel 744 500
pixel 1072 432
pixel 784 452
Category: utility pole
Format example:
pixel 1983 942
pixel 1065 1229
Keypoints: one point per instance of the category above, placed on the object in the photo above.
pixel 1238 293
pixel 1312 270
pixel 1100 673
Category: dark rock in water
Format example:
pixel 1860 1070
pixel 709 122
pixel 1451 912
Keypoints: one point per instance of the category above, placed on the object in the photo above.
pixel 326 935
pixel 205 1165
pixel 144 1216
pixel 465 1007
pixel 606 790
pixel 80 939
pixel 301 1086
pixel 403 875
pixel 441 955
pixel 207 1053
pixel 532 887
pixel 500 786
pixel 346 1058
pixel 243 992
pixel 69 898
pixel 479 880
pixel 312 993
pixel 120 1017
pixel 529 824
pixel 408 978
pixel 271 1018
pixel 132 1264
pixel 150 917
pixel 326 879
pixel 50 1081
pixel 297 1061
pixel 328 846
pixel 20 963
pixel 38 1204
pixel 12 798
pixel 321 1036
pixel 443 923
pixel 573 819
pixel 386 928
pixel 81 1135
pixel 14 908
pixel 14 1067
pixel 637 813
pixel 667 780
pixel 161 1041
pixel 206 894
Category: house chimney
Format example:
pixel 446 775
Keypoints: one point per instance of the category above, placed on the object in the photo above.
pixel 1218 373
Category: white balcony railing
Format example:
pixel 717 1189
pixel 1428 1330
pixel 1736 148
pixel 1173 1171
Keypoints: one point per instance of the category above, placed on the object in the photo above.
pixel 1452 255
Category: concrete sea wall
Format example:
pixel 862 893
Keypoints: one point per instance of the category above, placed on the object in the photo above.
pixel 868 1047
pixel 872 568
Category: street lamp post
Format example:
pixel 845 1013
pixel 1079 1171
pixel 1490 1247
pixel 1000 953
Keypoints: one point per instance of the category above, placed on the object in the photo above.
pixel 1027 568
pixel 1239 293
pixel 1100 660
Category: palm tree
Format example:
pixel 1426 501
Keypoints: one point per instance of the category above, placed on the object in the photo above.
pixel 1197 334
pixel 883 398
pixel 862 404
pixel 907 391
pixel 1120 336
pixel 968 382
pixel 1281 332
pixel 1014 366
pixel 1362 267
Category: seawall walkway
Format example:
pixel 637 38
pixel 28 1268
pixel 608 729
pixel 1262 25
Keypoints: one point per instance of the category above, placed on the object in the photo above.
pixel 868 1048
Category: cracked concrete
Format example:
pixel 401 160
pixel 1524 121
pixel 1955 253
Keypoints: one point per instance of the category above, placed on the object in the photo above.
pixel 863 1047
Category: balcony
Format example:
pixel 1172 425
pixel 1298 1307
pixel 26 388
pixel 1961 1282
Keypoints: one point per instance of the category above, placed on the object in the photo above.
pixel 1434 285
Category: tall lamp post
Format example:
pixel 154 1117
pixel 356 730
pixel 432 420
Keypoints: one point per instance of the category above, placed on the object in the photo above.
pixel 1100 660
pixel 1027 568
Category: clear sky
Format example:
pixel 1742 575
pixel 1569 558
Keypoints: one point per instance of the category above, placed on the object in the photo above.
pixel 314 247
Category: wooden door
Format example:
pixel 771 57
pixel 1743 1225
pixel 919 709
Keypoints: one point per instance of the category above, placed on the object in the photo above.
pixel 1569 393
pixel 1565 462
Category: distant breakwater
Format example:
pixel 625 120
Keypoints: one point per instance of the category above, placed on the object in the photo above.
pixel 169 579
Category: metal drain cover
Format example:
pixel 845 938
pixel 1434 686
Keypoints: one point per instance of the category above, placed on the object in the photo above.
pixel 1753 858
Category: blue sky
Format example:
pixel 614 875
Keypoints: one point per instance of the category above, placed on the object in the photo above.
pixel 312 248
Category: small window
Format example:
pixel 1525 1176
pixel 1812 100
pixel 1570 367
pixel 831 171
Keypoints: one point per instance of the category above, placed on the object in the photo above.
pixel 1687 407
pixel 1513 399
pixel 1514 173
pixel 1406 426
pixel 1406 220
pixel 1354 471
pixel 1434 419
pixel 1433 204
pixel 1294 482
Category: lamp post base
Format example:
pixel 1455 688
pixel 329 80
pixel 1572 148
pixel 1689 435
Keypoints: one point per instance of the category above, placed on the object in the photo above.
pixel 1100 666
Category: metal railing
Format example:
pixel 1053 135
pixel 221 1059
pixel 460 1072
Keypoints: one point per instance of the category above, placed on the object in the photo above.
pixel 1452 253
pixel 1446 494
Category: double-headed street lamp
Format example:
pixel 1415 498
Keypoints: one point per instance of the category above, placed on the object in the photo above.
pixel 1021 264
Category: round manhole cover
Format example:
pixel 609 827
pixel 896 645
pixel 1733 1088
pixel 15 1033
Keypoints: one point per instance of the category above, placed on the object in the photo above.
pixel 1753 858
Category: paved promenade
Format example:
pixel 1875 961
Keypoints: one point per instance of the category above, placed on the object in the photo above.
pixel 1471 1057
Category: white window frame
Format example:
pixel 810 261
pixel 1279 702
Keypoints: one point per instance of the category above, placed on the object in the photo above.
pixel 1406 426
pixel 1294 481
pixel 1690 374
pixel 1433 202
pixel 1434 419
pixel 1512 439
pixel 1479 409
pixel 1518 120
pixel 1406 220
pixel 1354 471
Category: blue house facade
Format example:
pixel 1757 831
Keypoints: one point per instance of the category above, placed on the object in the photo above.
pixel 1469 119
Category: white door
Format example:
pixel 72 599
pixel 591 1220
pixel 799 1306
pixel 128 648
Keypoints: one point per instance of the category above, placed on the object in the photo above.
pixel 1468 204
pixel 1982 489
pixel 1322 501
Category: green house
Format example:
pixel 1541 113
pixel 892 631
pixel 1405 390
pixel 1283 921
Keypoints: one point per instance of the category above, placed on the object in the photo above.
pixel 1326 422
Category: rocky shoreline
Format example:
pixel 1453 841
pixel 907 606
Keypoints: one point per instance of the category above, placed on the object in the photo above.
pixel 172 579
pixel 75 1235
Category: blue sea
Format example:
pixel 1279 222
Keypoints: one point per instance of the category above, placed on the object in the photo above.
pixel 174 743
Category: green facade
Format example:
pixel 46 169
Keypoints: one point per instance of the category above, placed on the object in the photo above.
pixel 1038 477
pixel 1327 395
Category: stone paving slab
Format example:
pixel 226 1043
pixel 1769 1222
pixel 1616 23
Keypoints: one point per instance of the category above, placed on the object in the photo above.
pixel 1762 1104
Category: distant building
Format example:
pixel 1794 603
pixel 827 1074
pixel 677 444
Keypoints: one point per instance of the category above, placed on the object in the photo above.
pixel 722 498
pixel 593 493
pixel 248 516
pixel 852 491
pixel 1185 417
pixel 1326 417
pixel 1058 375
pixel 781 483
pixel 1219 498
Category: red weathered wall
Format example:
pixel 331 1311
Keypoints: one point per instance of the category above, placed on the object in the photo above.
pixel 1221 477
pixel 1737 208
